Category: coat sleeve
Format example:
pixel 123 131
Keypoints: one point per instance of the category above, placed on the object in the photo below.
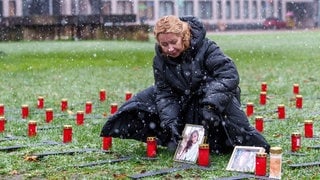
pixel 222 78
pixel 167 102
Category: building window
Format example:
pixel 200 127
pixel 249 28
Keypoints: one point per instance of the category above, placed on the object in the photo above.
pixel 1 8
pixel 219 10
pixel 228 10
pixel 166 8
pixel 246 9
pixel 237 9
pixel 263 9
pixel 124 7
pixel 56 7
pixel 205 9
pixel 185 8
pixel 35 7
pixel 254 10
pixel 146 10
pixel 106 7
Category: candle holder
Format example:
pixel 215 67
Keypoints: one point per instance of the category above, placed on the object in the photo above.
pixel 264 86
pixel 250 109
pixel 88 107
pixel 114 108
pixel 128 95
pixel 308 128
pixel 151 147
pixel 64 104
pixel 106 143
pixel 261 164
pixel 80 118
pixel 259 123
pixel 204 155
pixel 295 141
pixel 32 128
pixel 298 101
pixel 24 111
pixel 263 98
pixel 102 95
pixel 2 124
pixel 296 89
pixel 67 133
pixel 49 115
pixel 40 104
pixel 281 111
pixel 1 109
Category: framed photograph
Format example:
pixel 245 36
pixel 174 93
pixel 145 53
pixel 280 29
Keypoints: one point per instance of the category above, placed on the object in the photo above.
pixel 243 158
pixel 187 150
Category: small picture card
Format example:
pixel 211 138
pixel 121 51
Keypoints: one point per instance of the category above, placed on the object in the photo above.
pixel 243 158
pixel 188 148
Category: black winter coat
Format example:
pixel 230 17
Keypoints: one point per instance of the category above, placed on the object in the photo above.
pixel 198 87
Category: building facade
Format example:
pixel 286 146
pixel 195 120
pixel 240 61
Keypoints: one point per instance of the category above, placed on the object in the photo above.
pixel 231 13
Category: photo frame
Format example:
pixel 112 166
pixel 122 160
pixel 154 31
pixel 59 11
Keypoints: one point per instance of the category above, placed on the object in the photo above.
pixel 243 158
pixel 188 148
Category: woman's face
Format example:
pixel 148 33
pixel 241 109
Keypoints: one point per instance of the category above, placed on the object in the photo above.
pixel 171 44
pixel 194 137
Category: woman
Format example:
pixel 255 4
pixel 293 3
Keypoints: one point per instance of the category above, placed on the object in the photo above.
pixel 190 150
pixel 195 83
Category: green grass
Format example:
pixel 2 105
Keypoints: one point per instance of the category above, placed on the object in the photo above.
pixel 78 70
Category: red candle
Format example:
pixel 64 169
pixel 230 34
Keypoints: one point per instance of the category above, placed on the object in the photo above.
pixel 281 111
pixel 80 117
pixel 88 107
pixel 264 87
pixel 261 164
pixel 298 101
pixel 24 111
pixel 106 143
pixel 1 109
pixel 308 128
pixel 2 124
pixel 295 88
pixel 259 123
pixel 204 155
pixel 49 115
pixel 263 98
pixel 151 147
pixel 32 128
pixel 64 104
pixel 114 108
pixel 295 141
pixel 128 95
pixel 102 95
pixel 250 108
pixel 40 104
pixel 67 133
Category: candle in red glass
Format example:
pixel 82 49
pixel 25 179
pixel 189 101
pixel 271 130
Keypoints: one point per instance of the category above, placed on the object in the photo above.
pixel 102 95
pixel 281 111
pixel 295 141
pixel 32 128
pixel 151 147
pixel 250 108
pixel 1 109
pixel 88 107
pixel 2 124
pixel 40 104
pixel 114 108
pixel 25 111
pixel 49 115
pixel 261 164
pixel 299 101
pixel 308 128
pixel 67 133
pixel 128 95
pixel 295 88
pixel 106 143
pixel 263 98
pixel 264 87
pixel 259 123
pixel 64 104
pixel 204 155
pixel 80 118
